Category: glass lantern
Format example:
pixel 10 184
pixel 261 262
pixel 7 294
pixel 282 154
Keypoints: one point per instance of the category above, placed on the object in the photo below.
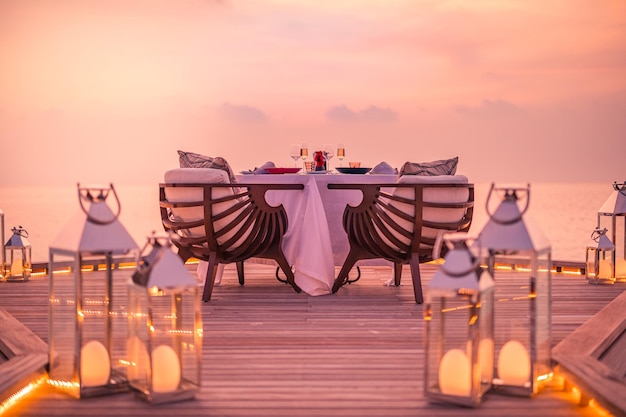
pixel 165 326
pixel 599 259
pixel 459 326
pixel 612 216
pixel 18 263
pixel 87 298
pixel 2 275
pixel 516 251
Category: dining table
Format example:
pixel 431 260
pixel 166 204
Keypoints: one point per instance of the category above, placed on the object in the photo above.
pixel 315 241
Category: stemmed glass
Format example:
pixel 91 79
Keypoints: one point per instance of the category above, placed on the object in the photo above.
pixel 304 152
pixel 295 154
pixel 329 152
pixel 341 153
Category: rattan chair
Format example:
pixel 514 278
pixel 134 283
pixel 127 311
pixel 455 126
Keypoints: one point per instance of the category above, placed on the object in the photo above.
pixel 401 223
pixel 225 223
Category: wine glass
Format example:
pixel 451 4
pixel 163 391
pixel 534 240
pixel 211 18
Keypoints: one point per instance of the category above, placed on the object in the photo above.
pixel 304 151
pixel 341 153
pixel 329 152
pixel 295 154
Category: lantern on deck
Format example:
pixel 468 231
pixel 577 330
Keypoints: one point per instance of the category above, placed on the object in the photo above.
pixel 523 320
pixel 2 275
pixel 599 259
pixel 18 263
pixel 87 305
pixel 459 328
pixel 612 216
pixel 165 326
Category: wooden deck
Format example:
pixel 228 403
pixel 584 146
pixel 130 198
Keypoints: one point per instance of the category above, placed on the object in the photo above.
pixel 271 352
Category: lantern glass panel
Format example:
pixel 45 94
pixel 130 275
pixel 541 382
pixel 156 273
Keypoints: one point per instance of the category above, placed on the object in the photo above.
pixel 459 345
pixel 616 232
pixel 165 342
pixel 523 322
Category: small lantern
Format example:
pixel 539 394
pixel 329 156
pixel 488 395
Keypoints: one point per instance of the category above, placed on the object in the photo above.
pixel 88 316
pixel 459 328
pixel 165 326
pixel 523 318
pixel 2 274
pixel 18 264
pixel 612 216
pixel 599 259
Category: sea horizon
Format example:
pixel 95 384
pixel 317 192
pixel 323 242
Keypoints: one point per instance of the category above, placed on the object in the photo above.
pixel 565 212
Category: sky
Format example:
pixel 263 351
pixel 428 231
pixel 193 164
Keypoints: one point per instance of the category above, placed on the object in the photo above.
pixel 98 91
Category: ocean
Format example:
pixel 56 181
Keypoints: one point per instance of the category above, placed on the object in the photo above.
pixel 565 212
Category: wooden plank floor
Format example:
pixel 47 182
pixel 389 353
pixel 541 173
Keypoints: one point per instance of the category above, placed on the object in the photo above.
pixel 271 352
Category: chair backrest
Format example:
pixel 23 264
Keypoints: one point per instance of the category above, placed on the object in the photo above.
pixel 395 220
pixel 208 214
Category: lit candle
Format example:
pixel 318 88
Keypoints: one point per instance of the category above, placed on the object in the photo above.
pixel 620 268
pixel 514 364
pixel 16 267
pixel 455 373
pixel 165 369
pixel 95 364
pixel 605 269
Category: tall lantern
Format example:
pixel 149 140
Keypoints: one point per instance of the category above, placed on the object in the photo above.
pixel 523 319
pixel 88 316
pixel 612 216
pixel 459 325
pixel 599 258
pixel 18 263
pixel 165 326
pixel 2 274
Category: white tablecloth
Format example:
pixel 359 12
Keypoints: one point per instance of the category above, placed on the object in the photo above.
pixel 315 240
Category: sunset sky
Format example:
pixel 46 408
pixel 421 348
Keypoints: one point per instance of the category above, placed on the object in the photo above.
pixel 107 91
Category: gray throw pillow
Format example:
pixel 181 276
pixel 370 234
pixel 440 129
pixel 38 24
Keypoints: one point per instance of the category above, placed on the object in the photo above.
pixel 195 160
pixel 439 167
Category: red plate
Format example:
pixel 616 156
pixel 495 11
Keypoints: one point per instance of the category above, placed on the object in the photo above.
pixel 282 170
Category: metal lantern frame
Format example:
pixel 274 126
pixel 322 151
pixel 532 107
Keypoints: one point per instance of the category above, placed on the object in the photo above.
pixel 511 242
pixel 2 255
pixel 17 262
pixel 165 326
pixel 87 305
pixel 459 326
pixel 612 216
pixel 599 258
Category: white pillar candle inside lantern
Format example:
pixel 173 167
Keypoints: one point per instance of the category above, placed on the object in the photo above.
pixel 459 328
pixel 17 250
pixel 522 312
pixel 599 259
pixel 87 303
pixel 612 217
pixel 165 326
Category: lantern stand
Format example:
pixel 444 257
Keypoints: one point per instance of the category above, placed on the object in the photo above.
pixel 459 324
pixel 599 259
pixel 17 253
pixel 612 216
pixel 523 318
pixel 165 326
pixel 87 311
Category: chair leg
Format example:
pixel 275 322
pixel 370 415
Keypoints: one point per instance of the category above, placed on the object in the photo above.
pixel 209 281
pixel 284 265
pixel 342 278
pixel 240 274
pixel 417 280
pixel 397 274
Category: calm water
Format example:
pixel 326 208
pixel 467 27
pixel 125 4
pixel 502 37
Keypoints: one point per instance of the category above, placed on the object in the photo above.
pixel 565 212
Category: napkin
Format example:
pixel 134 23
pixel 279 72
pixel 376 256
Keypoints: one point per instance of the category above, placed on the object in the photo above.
pixel 384 168
pixel 261 169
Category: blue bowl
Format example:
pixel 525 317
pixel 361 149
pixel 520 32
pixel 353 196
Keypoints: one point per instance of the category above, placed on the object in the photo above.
pixel 353 170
